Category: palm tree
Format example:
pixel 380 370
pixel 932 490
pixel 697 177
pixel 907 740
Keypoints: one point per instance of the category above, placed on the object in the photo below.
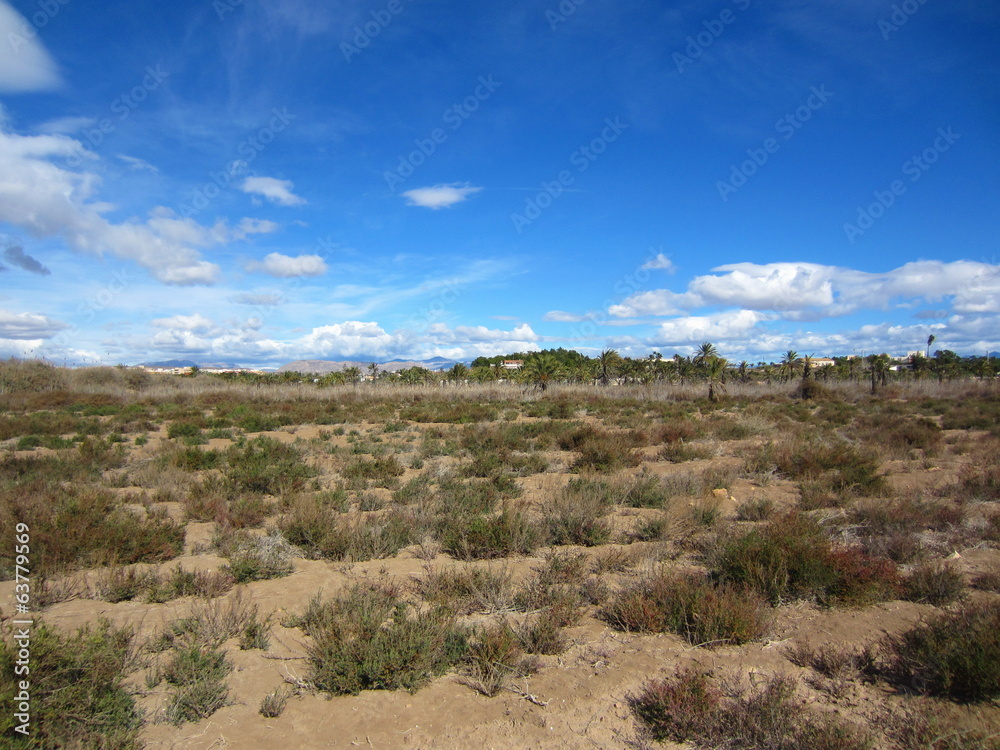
pixel 715 374
pixel 705 352
pixel 788 362
pixel 373 369
pixel 458 372
pixel 744 371
pixel 878 369
pixel 352 374
pixel 607 362
pixel 542 370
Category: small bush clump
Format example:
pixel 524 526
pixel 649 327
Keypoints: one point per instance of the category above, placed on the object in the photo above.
pixel 370 639
pixel 689 708
pixel 691 606
pixel 956 654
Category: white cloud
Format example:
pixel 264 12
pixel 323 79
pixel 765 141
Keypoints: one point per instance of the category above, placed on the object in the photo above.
pixel 263 299
pixel 195 322
pixel 286 267
pixel 28 326
pixel 138 164
pixel 657 302
pixel 812 291
pixel 717 327
pixel 561 316
pixel 48 200
pixel 440 196
pixel 25 65
pixel 275 190
pixel 66 125
pixel 660 263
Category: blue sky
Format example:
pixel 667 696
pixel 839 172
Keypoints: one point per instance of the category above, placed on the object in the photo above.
pixel 268 180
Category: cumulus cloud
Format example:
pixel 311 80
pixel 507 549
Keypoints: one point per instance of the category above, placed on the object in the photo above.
pixel 15 255
pixel 811 291
pixel 275 190
pixel 286 267
pixel 440 196
pixel 661 302
pixel 47 200
pixel 717 327
pixel 25 65
pixel 28 326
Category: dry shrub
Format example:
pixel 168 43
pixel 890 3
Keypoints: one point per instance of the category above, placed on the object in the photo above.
pixel 690 606
pixel 467 590
pixel 791 558
pixel 76 525
pixel 495 655
pixel 934 583
pixel 575 515
pixel 688 708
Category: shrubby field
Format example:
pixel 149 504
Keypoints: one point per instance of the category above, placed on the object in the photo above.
pixel 793 564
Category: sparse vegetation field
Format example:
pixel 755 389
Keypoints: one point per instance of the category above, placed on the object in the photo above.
pixel 221 564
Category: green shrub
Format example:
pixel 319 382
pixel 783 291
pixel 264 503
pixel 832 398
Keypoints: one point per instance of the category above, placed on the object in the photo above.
pixel 681 709
pixel 488 537
pixel 370 639
pixel 197 676
pixel 956 654
pixel 791 558
pixel 78 694
pixel 196 459
pixel 267 466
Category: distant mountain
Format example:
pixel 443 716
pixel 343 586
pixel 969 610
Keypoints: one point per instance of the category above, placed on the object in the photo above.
pixel 324 366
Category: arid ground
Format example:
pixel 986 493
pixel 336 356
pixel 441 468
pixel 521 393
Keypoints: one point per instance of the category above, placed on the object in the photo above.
pixel 219 566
